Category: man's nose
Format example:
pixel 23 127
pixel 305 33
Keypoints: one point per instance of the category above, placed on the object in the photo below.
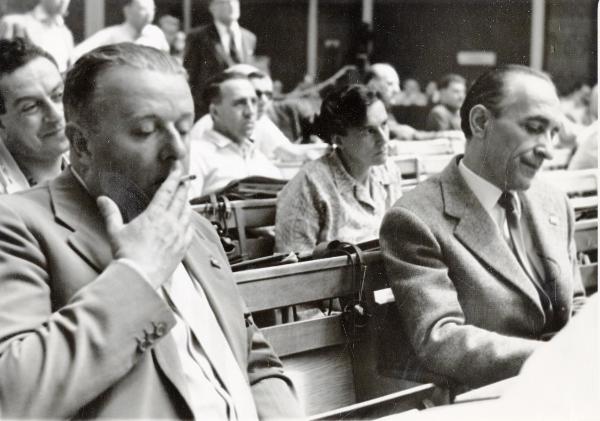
pixel 175 147
pixel 545 148
pixel 53 112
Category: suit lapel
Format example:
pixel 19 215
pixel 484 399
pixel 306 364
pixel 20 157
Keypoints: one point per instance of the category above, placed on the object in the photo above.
pixel 544 229
pixel 77 210
pixel 218 46
pixel 207 266
pixel 478 232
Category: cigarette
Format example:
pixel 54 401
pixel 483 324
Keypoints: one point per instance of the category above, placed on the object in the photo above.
pixel 188 177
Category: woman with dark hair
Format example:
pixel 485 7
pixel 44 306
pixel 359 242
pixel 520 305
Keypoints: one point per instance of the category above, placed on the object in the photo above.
pixel 343 195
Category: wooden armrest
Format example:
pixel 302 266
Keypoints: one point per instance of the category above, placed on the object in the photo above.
pixel 386 405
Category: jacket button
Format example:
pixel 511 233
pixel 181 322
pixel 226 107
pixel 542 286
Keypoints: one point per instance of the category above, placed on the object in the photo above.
pixel 159 329
pixel 143 345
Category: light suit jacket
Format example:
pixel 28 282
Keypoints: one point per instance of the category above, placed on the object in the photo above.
pixel 205 57
pixel 82 335
pixel 470 314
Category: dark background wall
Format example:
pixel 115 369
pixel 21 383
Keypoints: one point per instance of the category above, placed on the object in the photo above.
pixel 422 37
pixel 571 49
pixel 419 37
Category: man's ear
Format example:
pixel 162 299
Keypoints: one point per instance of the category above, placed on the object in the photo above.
pixel 79 142
pixel 336 140
pixel 212 110
pixel 479 117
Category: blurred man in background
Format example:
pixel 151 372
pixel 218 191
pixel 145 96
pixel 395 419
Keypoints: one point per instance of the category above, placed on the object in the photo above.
pixel 136 28
pixel 212 48
pixel 446 115
pixel 45 27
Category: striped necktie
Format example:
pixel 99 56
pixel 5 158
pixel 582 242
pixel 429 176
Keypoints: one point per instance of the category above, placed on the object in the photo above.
pixel 508 202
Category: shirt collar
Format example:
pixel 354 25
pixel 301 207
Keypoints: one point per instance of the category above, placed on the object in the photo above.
pixel 221 141
pixel 346 182
pixel 487 193
pixel 78 178
pixel 40 14
pixel 224 30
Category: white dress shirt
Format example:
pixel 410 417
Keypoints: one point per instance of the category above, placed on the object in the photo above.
pixel 224 35
pixel 267 136
pixel 151 36
pixel 216 161
pixel 12 178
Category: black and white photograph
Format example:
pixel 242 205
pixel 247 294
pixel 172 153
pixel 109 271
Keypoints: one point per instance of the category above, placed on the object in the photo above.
pixel 246 210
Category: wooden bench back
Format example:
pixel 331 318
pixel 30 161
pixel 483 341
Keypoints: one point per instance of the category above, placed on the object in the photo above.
pixel 326 356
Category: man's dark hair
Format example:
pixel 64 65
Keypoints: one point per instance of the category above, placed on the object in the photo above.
pixel 212 92
pixel 446 80
pixel 81 81
pixel 489 91
pixel 343 108
pixel 15 54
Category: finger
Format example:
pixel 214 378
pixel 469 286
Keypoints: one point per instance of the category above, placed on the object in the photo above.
pixel 189 236
pixel 186 215
pixel 165 193
pixel 111 214
pixel 180 200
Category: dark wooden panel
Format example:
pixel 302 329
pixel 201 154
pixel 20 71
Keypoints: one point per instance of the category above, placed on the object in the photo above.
pixel 586 235
pixel 589 277
pixel 307 335
pixel 323 378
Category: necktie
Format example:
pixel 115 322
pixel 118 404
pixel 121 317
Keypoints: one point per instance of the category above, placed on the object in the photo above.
pixel 508 202
pixel 233 51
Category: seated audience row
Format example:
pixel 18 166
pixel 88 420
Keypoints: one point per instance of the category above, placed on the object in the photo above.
pixel 480 258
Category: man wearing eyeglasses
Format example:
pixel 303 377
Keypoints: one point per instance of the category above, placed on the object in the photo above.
pixel 212 48
pixel 481 258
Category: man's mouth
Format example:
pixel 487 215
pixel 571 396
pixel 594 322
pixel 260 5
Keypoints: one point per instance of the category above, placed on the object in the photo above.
pixel 53 132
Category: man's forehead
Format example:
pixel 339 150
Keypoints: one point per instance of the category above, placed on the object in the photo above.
pixel 237 88
pixel 530 96
pixel 26 78
pixel 131 89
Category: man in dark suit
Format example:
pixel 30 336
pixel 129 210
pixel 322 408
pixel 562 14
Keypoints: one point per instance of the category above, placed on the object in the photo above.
pixel 116 300
pixel 212 48
pixel 481 257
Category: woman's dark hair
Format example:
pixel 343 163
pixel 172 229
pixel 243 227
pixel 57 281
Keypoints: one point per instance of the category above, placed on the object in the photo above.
pixel 489 91
pixel 344 107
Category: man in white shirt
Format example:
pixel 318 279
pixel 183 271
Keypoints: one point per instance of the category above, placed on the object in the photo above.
pixel 267 136
pixel 45 27
pixel 212 48
pixel 32 125
pixel 227 152
pixel 117 299
pixel 136 28
pixel 481 258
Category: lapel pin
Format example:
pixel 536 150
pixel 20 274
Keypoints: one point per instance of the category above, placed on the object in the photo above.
pixel 553 219
pixel 215 263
